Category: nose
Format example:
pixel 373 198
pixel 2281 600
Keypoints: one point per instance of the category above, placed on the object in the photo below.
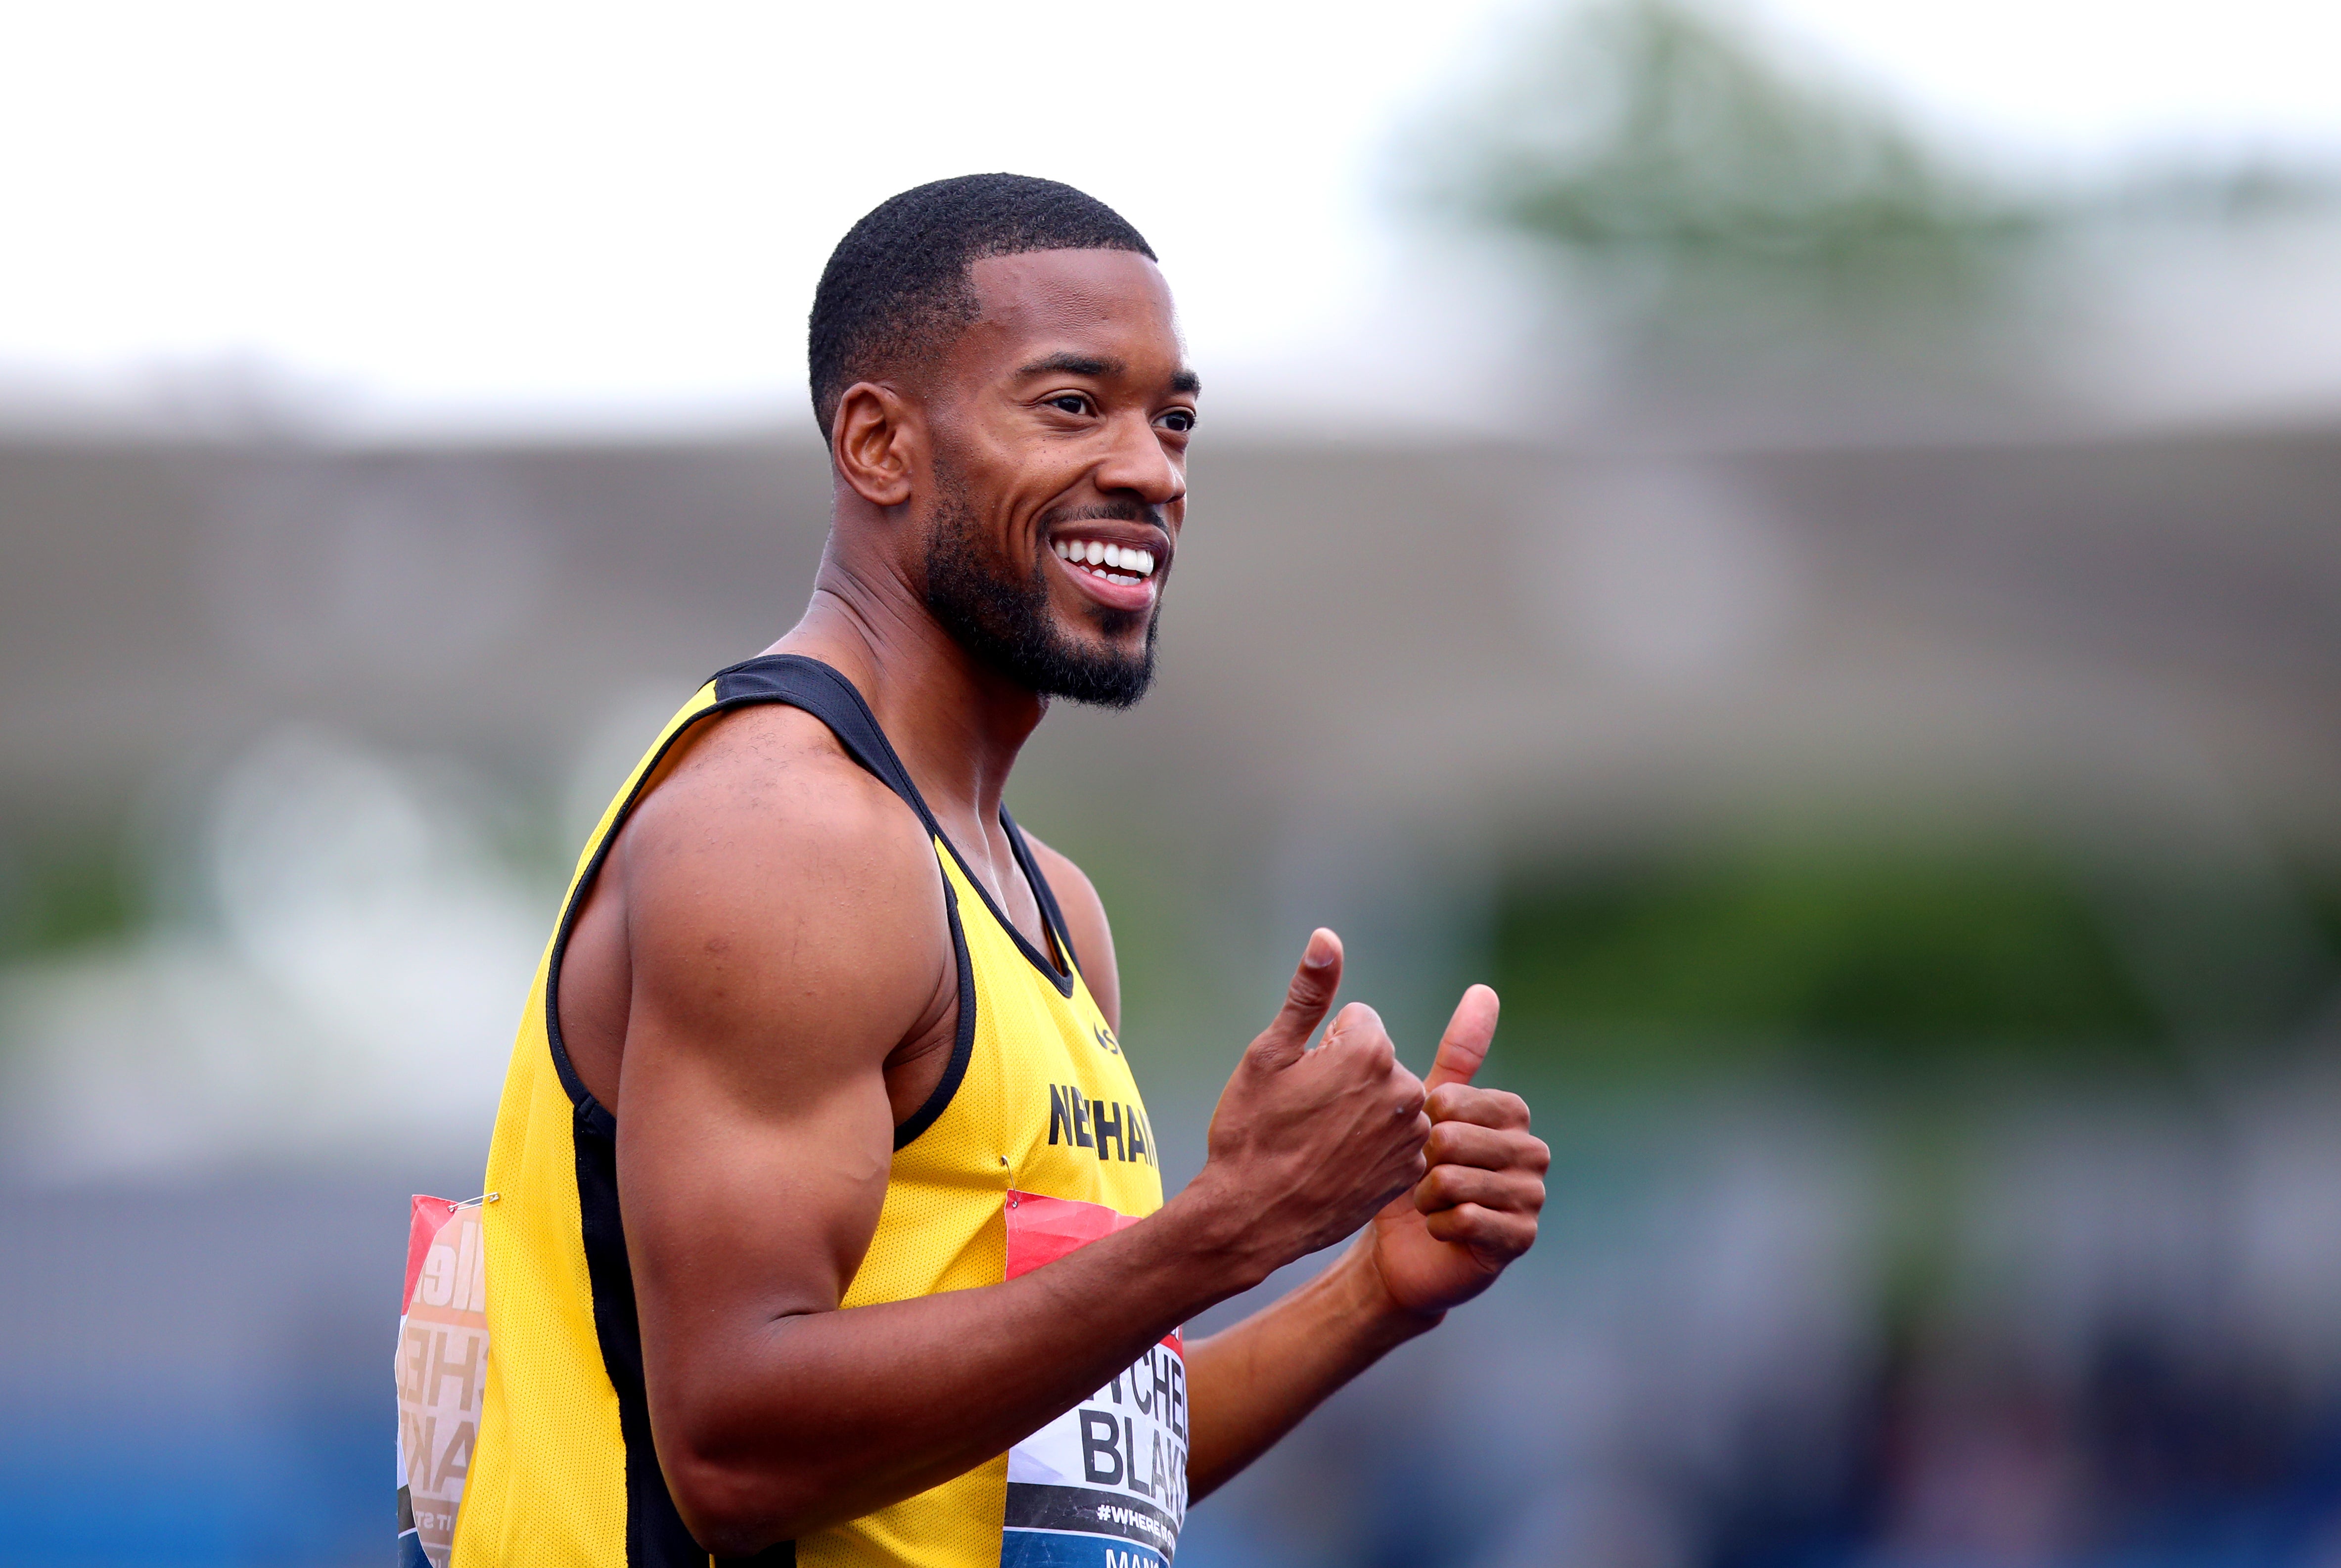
pixel 1138 464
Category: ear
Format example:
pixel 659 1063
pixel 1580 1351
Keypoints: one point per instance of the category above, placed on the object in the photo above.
pixel 872 442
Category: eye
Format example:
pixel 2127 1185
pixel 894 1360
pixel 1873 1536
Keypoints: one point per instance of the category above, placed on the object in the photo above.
pixel 1181 420
pixel 1075 403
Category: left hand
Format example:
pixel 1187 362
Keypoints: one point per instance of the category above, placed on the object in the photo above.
pixel 1475 1209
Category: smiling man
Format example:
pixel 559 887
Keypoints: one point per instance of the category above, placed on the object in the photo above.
pixel 828 1222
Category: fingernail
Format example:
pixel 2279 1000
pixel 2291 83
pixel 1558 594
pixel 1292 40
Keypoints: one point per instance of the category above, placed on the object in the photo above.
pixel 1319 952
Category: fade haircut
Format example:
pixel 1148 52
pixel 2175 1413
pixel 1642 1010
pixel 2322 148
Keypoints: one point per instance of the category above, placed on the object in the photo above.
pixel 897 289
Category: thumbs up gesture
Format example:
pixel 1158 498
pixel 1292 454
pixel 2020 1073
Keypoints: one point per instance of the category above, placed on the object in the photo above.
pixel 1308 1143
pixel 1475 1209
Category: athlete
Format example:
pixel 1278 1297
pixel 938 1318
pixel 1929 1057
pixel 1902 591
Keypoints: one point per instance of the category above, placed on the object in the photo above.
pixel 828 1224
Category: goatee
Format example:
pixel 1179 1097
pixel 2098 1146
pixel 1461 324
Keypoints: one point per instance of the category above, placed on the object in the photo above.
pixel 1001 617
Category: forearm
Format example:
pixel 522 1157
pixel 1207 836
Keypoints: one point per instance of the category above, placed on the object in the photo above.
pixel 1249 1384
pixel 815 1417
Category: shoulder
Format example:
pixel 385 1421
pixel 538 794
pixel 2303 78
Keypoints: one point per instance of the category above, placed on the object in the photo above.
pixel 1086 924
pixel 772 754
pixel 767 792
pixel 763 859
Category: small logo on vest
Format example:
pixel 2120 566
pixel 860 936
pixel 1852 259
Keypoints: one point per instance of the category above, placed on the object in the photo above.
pixel 1105 1038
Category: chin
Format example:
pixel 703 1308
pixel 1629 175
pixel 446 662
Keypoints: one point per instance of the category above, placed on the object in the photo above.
pixel 1098 630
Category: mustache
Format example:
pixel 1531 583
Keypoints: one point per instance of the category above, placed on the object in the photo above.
pixel 1107 512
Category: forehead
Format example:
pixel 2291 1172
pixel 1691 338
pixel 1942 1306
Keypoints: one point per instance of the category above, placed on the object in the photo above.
pixel 1048 301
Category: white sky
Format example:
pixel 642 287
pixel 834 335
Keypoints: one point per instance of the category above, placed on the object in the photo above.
pixel 562 213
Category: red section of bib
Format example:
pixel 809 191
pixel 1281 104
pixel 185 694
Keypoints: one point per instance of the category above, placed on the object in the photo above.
pixel 430 1214
pixel 1041 1230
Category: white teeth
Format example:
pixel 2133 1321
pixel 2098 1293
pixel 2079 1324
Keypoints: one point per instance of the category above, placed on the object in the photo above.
pixel 1123 563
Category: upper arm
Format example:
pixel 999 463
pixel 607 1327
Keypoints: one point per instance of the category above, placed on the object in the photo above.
pixel 1085 923
pixel 785 930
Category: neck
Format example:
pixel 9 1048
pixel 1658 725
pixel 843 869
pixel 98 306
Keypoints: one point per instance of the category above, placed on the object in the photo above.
pixel 957 725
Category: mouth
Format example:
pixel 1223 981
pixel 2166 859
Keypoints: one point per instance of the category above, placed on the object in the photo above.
pixel 1113 572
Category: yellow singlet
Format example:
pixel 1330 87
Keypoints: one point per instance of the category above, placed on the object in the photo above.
pixel 1035 1142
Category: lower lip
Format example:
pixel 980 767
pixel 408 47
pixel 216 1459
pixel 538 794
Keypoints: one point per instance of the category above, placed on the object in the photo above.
pixel 1138 595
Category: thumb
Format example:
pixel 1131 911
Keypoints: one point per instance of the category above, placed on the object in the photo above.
pixel 1306 1000
pixel 1465 1044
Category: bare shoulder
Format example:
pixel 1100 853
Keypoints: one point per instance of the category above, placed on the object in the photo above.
pixel 1085 922
pixel 765 768
pixel 770 882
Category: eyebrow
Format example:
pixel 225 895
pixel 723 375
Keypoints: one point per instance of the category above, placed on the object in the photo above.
pixel 1070 364
pixel 1186 382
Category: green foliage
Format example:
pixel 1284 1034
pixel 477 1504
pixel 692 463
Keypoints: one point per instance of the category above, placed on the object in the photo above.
pixel 1695 174
pixel 65 889
pixel 1649 135
pixel 1834 960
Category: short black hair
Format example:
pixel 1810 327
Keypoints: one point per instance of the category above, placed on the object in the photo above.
pixel 899 280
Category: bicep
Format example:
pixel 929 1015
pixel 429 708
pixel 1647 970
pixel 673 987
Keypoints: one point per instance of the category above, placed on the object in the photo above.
pixel 748 1203
pixel 775 966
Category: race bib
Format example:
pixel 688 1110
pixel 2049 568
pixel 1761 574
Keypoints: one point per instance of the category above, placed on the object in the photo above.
pixel 442 1362
pixel 1104 1485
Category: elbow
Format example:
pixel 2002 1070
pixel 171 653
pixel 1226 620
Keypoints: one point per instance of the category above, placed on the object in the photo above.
pixel 722 1513
pixel 748 1474
pixel 737 1490
pixel 733 1511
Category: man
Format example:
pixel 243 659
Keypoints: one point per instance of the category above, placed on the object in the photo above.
pixel 827 1224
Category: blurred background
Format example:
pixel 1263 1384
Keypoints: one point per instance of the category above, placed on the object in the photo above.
pixel 1799 539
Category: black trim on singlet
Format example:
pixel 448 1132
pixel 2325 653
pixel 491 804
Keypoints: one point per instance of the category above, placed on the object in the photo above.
pixel 656 1536
pixel 830 697
pixel 1051 915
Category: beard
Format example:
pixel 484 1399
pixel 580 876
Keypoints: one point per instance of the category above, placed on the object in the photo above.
pixel 1003 617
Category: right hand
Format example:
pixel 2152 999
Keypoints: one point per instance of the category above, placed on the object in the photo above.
pixel 1305 1145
